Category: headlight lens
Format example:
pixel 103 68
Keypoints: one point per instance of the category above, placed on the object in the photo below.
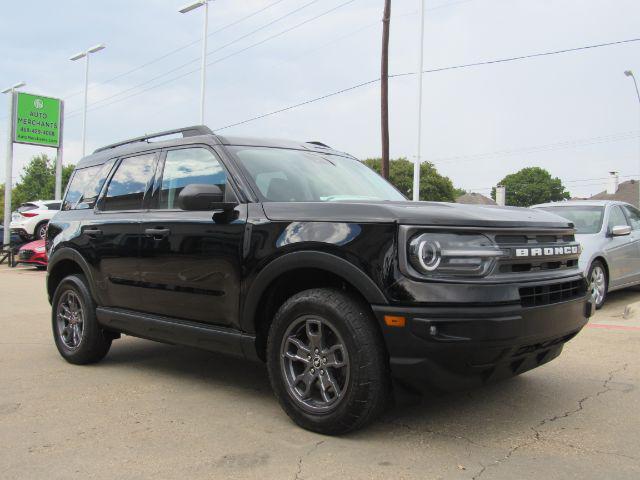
pixel 453 254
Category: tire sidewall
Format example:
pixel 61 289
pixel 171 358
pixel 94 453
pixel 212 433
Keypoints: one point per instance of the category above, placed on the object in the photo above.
pixel 595 264
pixel 90 328
pixel 285 316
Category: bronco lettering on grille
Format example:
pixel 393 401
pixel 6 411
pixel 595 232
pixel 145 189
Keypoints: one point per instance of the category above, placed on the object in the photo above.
pixel 548 251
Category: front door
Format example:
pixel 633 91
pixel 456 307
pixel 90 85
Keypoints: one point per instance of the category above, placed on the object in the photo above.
pixel 190 265
pixel 622 251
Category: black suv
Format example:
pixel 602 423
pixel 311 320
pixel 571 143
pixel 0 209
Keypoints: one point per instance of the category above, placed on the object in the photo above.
pixel 300 256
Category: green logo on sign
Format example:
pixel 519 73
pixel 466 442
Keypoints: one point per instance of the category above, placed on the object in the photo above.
pixel 37 120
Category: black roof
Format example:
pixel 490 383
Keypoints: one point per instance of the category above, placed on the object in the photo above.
pixel 193 135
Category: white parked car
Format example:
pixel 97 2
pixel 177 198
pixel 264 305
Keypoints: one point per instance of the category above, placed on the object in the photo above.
pixel 30 220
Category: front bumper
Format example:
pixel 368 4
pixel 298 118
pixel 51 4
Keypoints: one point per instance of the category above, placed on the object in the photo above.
pixel 460 347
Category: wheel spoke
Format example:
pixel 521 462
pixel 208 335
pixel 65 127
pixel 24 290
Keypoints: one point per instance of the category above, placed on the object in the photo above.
pixel 306 378
pixel 297 358
pixel 335 356
pixel 314 333
pixel 302 348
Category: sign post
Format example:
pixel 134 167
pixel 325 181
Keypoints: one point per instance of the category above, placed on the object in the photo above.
pixel 33 120
pixel 8 172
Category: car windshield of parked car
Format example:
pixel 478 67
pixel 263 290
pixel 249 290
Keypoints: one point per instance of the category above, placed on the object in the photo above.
pixel 284 175
pixel 586 219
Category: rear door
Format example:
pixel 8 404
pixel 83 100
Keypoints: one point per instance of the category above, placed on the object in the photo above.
pixel 114 231
pixel 190 261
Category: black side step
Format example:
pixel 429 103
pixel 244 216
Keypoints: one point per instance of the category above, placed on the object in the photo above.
pixel 178 332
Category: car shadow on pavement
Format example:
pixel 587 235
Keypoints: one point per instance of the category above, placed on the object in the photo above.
pixel 449 414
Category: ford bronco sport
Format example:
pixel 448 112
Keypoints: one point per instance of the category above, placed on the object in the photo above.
pixel 302 257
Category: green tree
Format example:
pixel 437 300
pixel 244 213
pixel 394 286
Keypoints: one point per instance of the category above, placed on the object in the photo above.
pixel 433 186
pixel 530 186
pixel 38 179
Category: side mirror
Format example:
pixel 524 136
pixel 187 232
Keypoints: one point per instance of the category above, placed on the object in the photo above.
pixel 203 197
pixel 620 230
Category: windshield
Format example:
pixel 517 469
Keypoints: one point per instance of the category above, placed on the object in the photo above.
pixel 283 175
pixel 587 219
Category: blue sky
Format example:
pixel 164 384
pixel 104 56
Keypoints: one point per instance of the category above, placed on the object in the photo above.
pixel 575 114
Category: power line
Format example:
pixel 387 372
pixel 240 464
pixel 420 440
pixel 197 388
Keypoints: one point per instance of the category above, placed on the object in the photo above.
pixel 434 70
pixel 331 10
pixel 195 60
pixel 183 47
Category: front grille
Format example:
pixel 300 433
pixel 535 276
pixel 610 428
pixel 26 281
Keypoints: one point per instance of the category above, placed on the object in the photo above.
pixel 510 242
pixel 26 254
pixel 549 294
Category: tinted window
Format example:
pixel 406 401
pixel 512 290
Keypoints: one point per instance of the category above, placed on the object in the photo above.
pixel 85 185
pixel 586 219
pixel 25 207
pixel 129 182
pixel 616 217
pixel 53 206
pixel 188 166
pixel 634 217
pixel 283 175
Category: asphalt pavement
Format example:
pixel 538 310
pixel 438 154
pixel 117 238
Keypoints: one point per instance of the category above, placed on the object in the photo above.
pixel 157 411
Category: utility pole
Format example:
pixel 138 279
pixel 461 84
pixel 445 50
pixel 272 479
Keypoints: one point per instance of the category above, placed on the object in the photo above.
pixel 418 160
pixel 384 86
pixel 203 59
pixel 629 73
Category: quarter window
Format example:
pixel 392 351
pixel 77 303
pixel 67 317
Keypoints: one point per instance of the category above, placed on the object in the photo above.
pixel 129 182
pixel 188 166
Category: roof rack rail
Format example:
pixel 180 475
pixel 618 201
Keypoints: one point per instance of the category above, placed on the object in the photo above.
pixel 319 144
pixel 186 132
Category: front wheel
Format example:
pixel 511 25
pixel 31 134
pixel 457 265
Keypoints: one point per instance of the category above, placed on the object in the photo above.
pixel 326 361
pixel 598 283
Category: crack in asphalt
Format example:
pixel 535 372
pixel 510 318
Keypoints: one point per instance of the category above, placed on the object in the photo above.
pixel 537 436
pixel 434 432
pixel 303 456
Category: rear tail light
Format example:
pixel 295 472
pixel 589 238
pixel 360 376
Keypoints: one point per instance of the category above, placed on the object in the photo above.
pixel 28 214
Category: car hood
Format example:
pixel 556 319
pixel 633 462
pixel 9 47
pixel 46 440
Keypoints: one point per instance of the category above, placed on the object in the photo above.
pixel 33 245
pixel 415 213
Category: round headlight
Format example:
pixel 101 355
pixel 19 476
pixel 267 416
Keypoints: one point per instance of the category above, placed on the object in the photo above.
pixel 425 253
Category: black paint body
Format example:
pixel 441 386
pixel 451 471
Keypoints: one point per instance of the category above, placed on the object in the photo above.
pixel 211 282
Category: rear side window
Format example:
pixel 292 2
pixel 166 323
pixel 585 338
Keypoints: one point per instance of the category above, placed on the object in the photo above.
pixel 85 185
pixel 129 182
pixel 185 167
pixel 53 206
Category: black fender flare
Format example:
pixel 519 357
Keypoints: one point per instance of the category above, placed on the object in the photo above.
pixel 66 253
pixel 296 260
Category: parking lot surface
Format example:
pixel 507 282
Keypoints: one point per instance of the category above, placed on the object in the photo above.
pixel 157 411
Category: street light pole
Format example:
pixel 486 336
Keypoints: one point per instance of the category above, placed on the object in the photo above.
pixel 78 56
pixel 203 63
pixel 418 160
pixel 8 169
pixel 629 73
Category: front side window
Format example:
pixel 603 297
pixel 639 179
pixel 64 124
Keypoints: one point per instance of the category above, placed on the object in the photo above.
pixel 586 219
pixel 188 166
pixel 129 182
pixel 616 218
pixel 284 175
pixel 634 217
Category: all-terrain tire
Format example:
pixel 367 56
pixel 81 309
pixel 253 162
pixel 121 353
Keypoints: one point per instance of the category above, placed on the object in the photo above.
pixel 367 384
pixel 93 344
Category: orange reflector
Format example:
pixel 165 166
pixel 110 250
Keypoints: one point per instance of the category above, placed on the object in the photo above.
pixel 393 321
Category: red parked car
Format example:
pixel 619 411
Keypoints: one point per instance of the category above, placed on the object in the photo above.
pixel 33 253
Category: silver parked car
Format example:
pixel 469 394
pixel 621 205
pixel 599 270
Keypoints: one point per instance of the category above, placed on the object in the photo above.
pixel 609 232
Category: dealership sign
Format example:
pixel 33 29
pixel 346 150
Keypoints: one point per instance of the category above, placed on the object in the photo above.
pixel 37 120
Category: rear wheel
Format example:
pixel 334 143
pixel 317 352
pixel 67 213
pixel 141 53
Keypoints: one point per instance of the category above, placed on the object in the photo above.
pixel 598 283
pixel 78 336
pixel 41 230
pixel 326 361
